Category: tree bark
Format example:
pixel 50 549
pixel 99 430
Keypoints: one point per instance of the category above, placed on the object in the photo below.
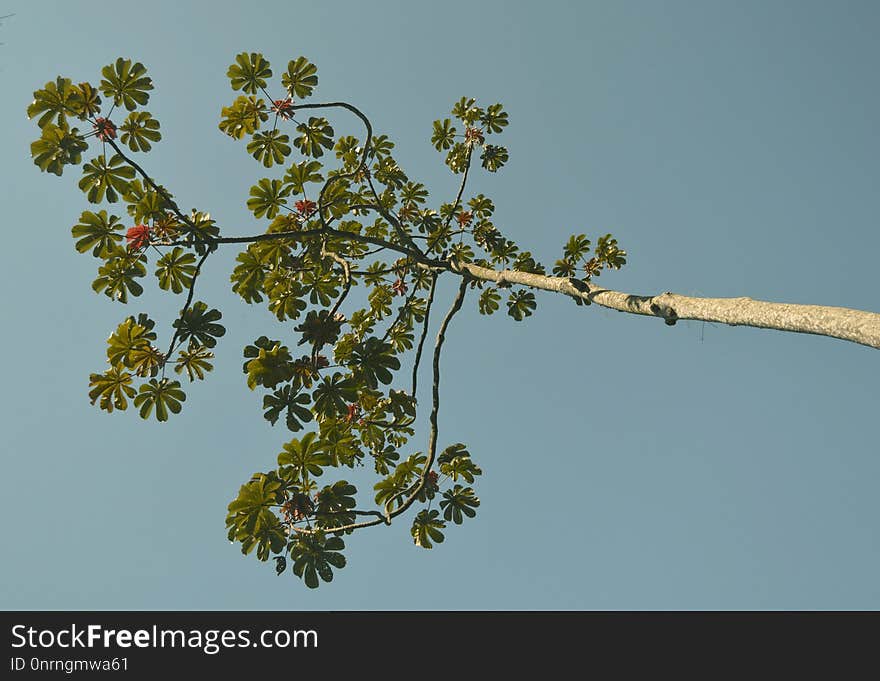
pixel 856 326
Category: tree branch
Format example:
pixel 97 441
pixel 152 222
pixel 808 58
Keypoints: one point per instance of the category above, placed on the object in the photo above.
pixel 844 323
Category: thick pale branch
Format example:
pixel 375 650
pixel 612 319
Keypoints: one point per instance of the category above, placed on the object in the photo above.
pixel 856 326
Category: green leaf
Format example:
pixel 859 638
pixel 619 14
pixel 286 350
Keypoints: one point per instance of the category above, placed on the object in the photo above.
pixel 301 173
pixel 333 395
pixel 319 328
pixel 243 117
pixel 577 247
pixel 456 462
pixel 162 395
pixel 458 157
pixel 111 389
pixel 56 148
pixel 87 102
pixel 101 178
pixel 334 505
pixel 314 556
pixel 269 147
pixel 248 276
pixel 521 304
pixel 304 457
pixel 467 111
pixel 251 521
pixel 290 401
pixel 129 336
pixel 98 232
pixel 268 197
pixel 459 502
pixel 139 130
pixel 493 157
pixel 116 277
pixel 200 323
pixel 316 135
pixel 489 301
pixel 175 270
pixel 495 118
pixel 426 529
pixel 373 362
pixel 271 363
pixel 55 102
pixel 194 360
pixel 285 295
pixel 126 83
pixel 300 78
pixel 249 72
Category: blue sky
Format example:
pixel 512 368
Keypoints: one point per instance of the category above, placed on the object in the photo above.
pixel 732 148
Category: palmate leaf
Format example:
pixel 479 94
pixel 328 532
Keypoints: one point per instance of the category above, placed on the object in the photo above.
pixel 116 277
pixel 126 83
pixel 200 323
pixel 285 295
pixel 443 136
pixel 139 131
pixel 493 157
pixel 333 395
pixel 495 118
pixel 521 304
pixel 316 135
pixel 456 462
pixel 459 502
pixel 315 556
pixel 56 148
pixel 248 276
pixel 334 505
pixel 101 178
pixel 146 360
pixel 292 403
pixel 426 529
pixel 304 457
pixel 111 389
pixel 243 117
pixel 175 270
pixel 319 328
pixel 249 72
pixel 300 173
pixel 269 147
pixel 250 518
pixel 373 362
pixel 130 335
pixel 194 360
pixel 87 102
pixel 339 444
pixel 162 395
pixel 489 301
pixel 270 363
pixel 268 197
pixel 55 102
pixel 300 78
pixel 98 232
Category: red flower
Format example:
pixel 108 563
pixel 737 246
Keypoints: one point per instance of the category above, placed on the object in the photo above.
pixel 432 478
pixel 284 108
pixel 474 135
pixel 105 129
pixel 137 237
pixel 306 207
pixel 354 411
pixel 464 218
pixel 399 287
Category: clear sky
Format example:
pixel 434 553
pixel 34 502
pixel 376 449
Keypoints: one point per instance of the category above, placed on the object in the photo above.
pixel 732 148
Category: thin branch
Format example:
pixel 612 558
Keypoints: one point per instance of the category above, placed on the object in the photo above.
pixel 415 371
pixel 189 298
pixel 149 180
pixel 435 406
